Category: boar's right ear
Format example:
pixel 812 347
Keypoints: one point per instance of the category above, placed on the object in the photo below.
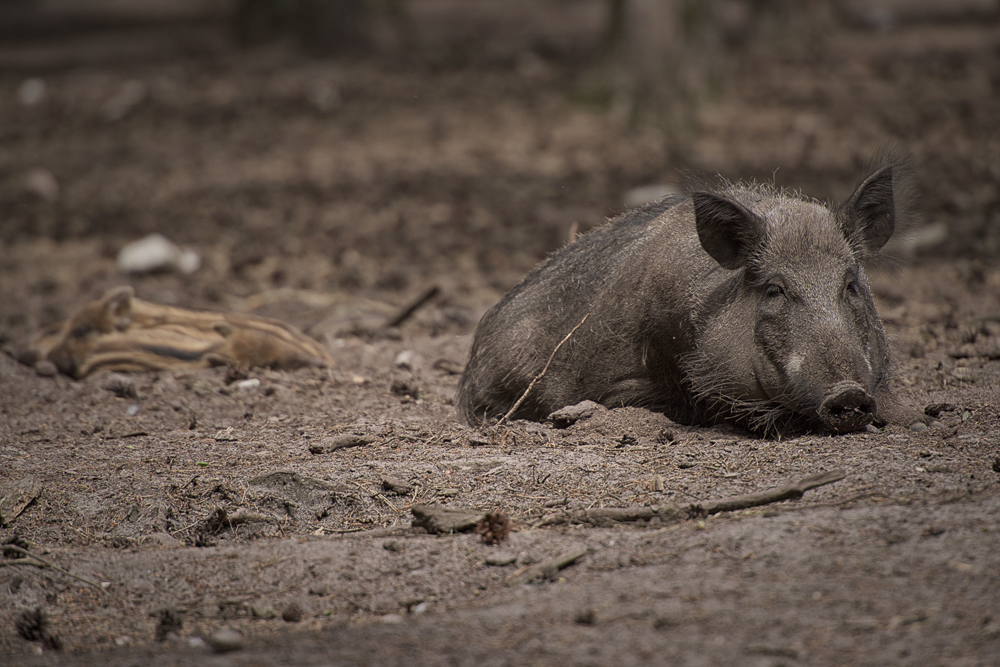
pixel 116 307
pixel 870 214
pixel 727 231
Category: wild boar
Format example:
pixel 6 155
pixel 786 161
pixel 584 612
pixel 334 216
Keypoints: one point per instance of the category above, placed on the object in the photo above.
pixel 737 302
pixel 121 332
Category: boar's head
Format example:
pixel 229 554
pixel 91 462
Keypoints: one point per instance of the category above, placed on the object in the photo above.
pixel 80 333
pixel 792 340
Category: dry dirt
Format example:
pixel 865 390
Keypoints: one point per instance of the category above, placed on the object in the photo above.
pixel 331 194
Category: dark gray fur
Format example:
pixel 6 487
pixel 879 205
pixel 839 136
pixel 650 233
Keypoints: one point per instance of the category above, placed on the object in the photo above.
pixel 736 303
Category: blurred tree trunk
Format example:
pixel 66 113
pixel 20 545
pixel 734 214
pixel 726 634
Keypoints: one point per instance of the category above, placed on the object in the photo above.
pixel 666 56
pixel 665 59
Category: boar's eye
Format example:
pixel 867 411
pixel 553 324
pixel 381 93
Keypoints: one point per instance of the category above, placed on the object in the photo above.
pixel 774 290
pixel 852 288
pixel 81 331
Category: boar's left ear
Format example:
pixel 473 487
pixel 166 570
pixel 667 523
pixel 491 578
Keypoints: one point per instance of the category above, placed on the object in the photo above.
pixel 117 306
pixel 869 216
pixel 727 231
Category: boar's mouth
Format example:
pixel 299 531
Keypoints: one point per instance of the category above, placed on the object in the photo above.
pixel 846 408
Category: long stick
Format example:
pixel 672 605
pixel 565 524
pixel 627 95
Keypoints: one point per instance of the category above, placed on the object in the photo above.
pixel 37 561
pixel 407 312
pixel 668 513
pixel 792 491
pixel 539 376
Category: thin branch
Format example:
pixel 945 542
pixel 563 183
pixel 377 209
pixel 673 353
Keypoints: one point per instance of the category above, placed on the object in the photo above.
pixel 792 491
pixel 547 569
pixel 407 312
pixel 540 375
pixel 669 513
pixel 38 561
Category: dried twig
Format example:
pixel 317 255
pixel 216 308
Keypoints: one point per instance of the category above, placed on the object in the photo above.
pixel 606 516
pixel 15 496
pixel 407 312
pixel 547 569
pixel 38 561
pixel 791 491
pixel 538 377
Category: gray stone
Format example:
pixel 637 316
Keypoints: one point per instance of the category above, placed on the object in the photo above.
pixel 571 414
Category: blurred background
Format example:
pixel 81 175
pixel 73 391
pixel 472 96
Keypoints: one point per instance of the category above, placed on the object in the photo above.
pixel 316 157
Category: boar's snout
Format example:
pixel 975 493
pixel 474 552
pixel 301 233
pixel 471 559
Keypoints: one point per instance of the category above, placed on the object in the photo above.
pixel 848 407
pixel 64 361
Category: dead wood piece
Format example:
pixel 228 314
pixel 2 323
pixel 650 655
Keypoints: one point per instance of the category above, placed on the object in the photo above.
pixel 340 442
pixel 791 491
pixel 607 516
pixel 221 519
pixel 38 561
pixel 397 486
pixel 602 516
pixel 438 519
pixel 15 496
pixel 243 515
pixel 547 569
pixel 408 312
pixel 668 513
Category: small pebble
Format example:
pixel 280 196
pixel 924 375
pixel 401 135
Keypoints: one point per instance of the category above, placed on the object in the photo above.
pixel 405 359
pixel 263 611
pixel 252 383
pixel 225 640
pixel 32 91
pixel 43 183
pixel 571 414
pixel 156 253
pixel 918 427
pixel 501 559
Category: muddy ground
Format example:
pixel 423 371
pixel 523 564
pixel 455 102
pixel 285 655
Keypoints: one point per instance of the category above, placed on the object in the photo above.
pixel 331 193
